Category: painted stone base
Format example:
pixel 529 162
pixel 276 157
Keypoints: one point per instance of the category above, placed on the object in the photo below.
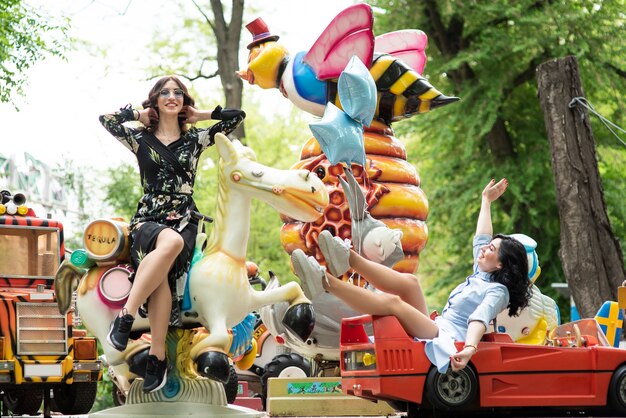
pixel 318 397
pixel 185 394
pixel 179 389
pixel 176 410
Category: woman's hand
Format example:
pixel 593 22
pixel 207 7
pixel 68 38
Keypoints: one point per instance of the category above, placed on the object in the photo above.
pixel 459 360
pixel 144 116
pixel 493 190
pixel 193 115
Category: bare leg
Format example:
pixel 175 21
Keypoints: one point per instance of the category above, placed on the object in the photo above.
pixel 159 308
pixel 416 323
pixel 388 280
pixel 151 283
pixel 154 268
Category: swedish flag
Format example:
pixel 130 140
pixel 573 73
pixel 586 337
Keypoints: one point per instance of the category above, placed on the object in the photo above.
pixel 610 317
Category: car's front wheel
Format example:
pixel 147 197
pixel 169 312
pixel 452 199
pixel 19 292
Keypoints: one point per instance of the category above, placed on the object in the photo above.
pixel 451 390
pixel 617 391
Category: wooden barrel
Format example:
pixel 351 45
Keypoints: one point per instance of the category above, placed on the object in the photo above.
pixel 114 286
pixel 107 240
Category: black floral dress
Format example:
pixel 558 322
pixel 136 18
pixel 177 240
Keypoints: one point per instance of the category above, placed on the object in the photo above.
pixel 168 194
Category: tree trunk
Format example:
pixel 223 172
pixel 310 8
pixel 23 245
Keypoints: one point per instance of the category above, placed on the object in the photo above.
pixel 499 141
pixel 228 36
pixel 590 254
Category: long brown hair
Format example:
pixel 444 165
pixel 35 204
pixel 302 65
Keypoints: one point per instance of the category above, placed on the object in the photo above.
pixel 153 96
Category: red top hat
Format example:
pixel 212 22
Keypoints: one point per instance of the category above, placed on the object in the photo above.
pixel 260 32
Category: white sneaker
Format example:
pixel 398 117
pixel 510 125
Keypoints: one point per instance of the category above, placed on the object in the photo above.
pixel 336 253
pixel 310 273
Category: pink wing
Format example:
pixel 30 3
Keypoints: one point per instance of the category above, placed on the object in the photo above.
pixel 350 33
pixel 406 45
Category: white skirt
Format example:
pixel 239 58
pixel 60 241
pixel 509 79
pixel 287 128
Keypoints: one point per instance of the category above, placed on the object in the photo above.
pixel 441 348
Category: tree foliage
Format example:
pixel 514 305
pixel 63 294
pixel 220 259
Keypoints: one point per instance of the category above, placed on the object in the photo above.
pixel 486 53
pixel 26 37
pixel 123 190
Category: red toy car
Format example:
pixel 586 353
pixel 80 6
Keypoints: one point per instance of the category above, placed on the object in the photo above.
pixel 578 371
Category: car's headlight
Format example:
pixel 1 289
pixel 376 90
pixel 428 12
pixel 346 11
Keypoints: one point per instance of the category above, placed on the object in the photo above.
pixel 359 360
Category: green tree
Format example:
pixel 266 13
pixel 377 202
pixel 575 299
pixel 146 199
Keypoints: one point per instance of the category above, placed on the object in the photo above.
pixel 486 53
pixel 78 184
pixel 123 190
pixel 26 37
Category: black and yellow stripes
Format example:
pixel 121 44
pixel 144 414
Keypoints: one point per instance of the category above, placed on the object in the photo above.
pixel 402 92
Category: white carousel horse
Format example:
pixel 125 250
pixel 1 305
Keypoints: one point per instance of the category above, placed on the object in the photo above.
pixel 221 295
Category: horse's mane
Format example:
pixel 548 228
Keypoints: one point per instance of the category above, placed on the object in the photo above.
pixel 220 210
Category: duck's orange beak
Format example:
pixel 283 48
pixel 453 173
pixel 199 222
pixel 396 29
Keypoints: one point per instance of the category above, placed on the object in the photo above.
pixel 264 63
pixel 243 74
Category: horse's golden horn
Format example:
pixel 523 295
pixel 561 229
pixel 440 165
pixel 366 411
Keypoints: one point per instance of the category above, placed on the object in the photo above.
pixel 65 282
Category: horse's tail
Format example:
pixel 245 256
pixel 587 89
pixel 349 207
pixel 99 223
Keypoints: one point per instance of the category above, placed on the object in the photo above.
pixel 65 282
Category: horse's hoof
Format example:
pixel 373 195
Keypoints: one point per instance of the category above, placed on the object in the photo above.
pixel 214 365
pixel 300 320
pixel 137 363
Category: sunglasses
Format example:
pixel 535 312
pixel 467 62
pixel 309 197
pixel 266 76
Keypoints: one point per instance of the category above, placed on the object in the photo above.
pixel 178 93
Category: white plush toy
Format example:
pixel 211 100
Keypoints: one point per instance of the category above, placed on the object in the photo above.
pixel 533 261
pixel 542 313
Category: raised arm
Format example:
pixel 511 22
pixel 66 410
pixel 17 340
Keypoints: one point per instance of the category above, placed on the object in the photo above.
pixel 229 119
pixel 491 192
pixel 114 123
pixel 196 115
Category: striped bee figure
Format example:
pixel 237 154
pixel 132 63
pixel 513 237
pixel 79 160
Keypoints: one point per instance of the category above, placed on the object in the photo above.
pixel 309 79
pixel 402 92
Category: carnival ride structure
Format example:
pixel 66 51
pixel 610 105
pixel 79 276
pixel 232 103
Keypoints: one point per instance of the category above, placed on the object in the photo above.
pixel 219 291
pixel 391 192
pixel 359 84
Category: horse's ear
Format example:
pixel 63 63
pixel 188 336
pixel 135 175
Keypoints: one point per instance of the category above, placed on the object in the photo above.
pixel 225 148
